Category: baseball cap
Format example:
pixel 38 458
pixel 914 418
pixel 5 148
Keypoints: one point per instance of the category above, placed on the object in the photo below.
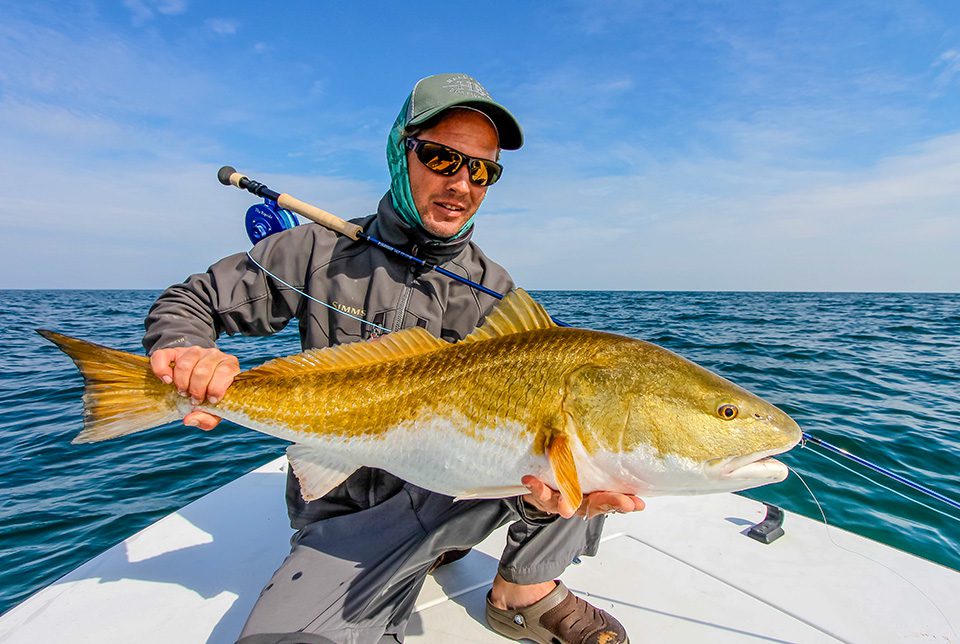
pixel 440 92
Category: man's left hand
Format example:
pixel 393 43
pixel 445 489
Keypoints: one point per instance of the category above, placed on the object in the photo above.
pixel 546 499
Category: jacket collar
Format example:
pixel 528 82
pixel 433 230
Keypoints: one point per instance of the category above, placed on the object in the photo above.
pixel 388 227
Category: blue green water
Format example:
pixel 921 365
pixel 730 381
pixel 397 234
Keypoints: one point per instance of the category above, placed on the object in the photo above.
pixel 878 374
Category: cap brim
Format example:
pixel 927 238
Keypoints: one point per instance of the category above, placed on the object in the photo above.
pixel 508 129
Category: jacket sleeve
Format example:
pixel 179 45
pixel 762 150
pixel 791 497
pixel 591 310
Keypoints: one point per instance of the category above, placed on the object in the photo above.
pixel 233 296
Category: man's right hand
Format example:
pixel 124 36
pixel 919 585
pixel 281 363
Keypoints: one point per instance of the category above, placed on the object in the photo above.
pixel 198 373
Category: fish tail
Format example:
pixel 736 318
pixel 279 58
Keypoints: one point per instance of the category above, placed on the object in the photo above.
pixel 121 394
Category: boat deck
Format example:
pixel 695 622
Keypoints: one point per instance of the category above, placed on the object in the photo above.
pixel 680 571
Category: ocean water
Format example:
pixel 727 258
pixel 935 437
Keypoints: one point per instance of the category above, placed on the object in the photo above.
pixel 877 374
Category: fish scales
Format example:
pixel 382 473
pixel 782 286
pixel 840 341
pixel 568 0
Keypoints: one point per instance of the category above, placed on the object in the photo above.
pixel 463 379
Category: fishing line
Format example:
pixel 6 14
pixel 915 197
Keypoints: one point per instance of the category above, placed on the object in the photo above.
pixel 878 484
pixel 826 527
pixel 310 297
pixel 881 470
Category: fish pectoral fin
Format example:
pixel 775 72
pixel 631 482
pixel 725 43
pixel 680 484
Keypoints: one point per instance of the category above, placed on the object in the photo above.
pixel 317 471
pixel 493 492
pixel 565 470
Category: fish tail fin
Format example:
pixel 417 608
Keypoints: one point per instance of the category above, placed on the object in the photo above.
pixel 121 394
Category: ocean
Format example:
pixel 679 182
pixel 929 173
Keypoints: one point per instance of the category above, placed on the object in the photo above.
pixel 877 374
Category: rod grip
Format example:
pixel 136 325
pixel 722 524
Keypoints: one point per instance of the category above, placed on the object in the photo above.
pixel 322 217
pixel 234 179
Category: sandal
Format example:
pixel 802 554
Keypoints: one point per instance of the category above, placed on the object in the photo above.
pixel 559 618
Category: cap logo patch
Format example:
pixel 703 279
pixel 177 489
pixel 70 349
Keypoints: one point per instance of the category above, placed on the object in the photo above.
pixel 465 86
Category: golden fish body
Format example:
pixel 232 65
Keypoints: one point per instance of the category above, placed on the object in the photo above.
pixel 580 409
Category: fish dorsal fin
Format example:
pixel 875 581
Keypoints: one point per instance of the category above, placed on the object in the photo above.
pixel 516 313
pixel 394 346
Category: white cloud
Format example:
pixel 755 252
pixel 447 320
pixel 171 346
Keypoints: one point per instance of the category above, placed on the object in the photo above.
pixel 223 26
pixel 142 11
pixel 948 66
pixel 171 7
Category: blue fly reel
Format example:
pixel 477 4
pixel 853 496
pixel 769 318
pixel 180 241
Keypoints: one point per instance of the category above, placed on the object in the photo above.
pixel 267 218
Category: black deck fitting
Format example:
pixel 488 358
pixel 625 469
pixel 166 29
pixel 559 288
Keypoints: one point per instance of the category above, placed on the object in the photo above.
pixel 771 528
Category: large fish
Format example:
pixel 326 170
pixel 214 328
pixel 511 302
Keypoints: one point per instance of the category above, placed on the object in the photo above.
pixel 582 410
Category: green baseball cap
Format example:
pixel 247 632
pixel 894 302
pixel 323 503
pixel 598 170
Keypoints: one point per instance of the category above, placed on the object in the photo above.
pixel 440 92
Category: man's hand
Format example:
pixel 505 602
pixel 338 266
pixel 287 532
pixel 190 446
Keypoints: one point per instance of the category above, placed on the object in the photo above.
pixel 202 374
pixel 546 499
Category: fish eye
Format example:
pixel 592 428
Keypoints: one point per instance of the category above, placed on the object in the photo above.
pixel 728 411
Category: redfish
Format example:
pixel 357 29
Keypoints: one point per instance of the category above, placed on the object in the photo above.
pixel 582 410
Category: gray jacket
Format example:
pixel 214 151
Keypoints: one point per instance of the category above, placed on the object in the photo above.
pixel 235 296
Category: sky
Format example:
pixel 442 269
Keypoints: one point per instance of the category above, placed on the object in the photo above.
pixel 754 145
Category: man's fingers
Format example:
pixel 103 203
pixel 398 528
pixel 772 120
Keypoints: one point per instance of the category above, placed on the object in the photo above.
pixel 549 500
pixel 565 509
pixel 533 484
pixel 201 374
pixel 213 364
pixel 604 502
pixel 543 492
pixel 160 363
pixel 223 376
pixel 201 419
pixel 185 361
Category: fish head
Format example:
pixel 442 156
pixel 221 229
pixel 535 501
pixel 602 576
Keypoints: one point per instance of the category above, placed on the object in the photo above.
pixel 675 427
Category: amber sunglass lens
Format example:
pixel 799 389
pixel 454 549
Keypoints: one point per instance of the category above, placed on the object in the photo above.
pixel 440 159
pixel 483 173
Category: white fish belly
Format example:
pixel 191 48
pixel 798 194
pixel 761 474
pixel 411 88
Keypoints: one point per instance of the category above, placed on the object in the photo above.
pixel 443 454
pixel 446 456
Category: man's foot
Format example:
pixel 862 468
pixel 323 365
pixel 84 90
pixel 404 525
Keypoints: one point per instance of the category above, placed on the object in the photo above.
pixel 560 617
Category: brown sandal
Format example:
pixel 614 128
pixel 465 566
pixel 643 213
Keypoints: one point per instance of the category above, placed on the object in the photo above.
pixel 559 618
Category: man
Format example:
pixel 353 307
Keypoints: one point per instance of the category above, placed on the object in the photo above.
pixel 361 553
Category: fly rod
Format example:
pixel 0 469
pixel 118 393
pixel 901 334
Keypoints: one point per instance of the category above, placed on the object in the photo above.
pixel 228 176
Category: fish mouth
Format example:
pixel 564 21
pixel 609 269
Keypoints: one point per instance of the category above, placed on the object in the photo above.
pixel 765 469
pixel 757 466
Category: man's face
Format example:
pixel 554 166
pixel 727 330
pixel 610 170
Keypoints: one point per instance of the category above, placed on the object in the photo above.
pixel 446 203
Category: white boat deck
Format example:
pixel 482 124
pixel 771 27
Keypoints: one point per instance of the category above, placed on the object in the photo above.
pixel 681 571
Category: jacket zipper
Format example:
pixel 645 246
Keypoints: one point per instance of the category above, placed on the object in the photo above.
pixel 404 298
pixel 402 308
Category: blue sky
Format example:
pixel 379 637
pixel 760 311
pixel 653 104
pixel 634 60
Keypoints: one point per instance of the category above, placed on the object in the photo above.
pixel 693 146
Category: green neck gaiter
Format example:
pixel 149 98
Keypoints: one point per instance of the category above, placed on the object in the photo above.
pixel 400 191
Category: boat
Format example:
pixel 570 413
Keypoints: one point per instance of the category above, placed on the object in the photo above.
pixel 683 570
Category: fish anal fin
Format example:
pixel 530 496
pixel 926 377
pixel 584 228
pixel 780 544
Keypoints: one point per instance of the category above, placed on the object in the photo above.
pixel 316 470
pixel 517 312
pixel 565 470
pixel 493 492
pixel 393 346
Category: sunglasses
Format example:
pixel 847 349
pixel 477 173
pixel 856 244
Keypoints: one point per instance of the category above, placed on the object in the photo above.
pixel 447 161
